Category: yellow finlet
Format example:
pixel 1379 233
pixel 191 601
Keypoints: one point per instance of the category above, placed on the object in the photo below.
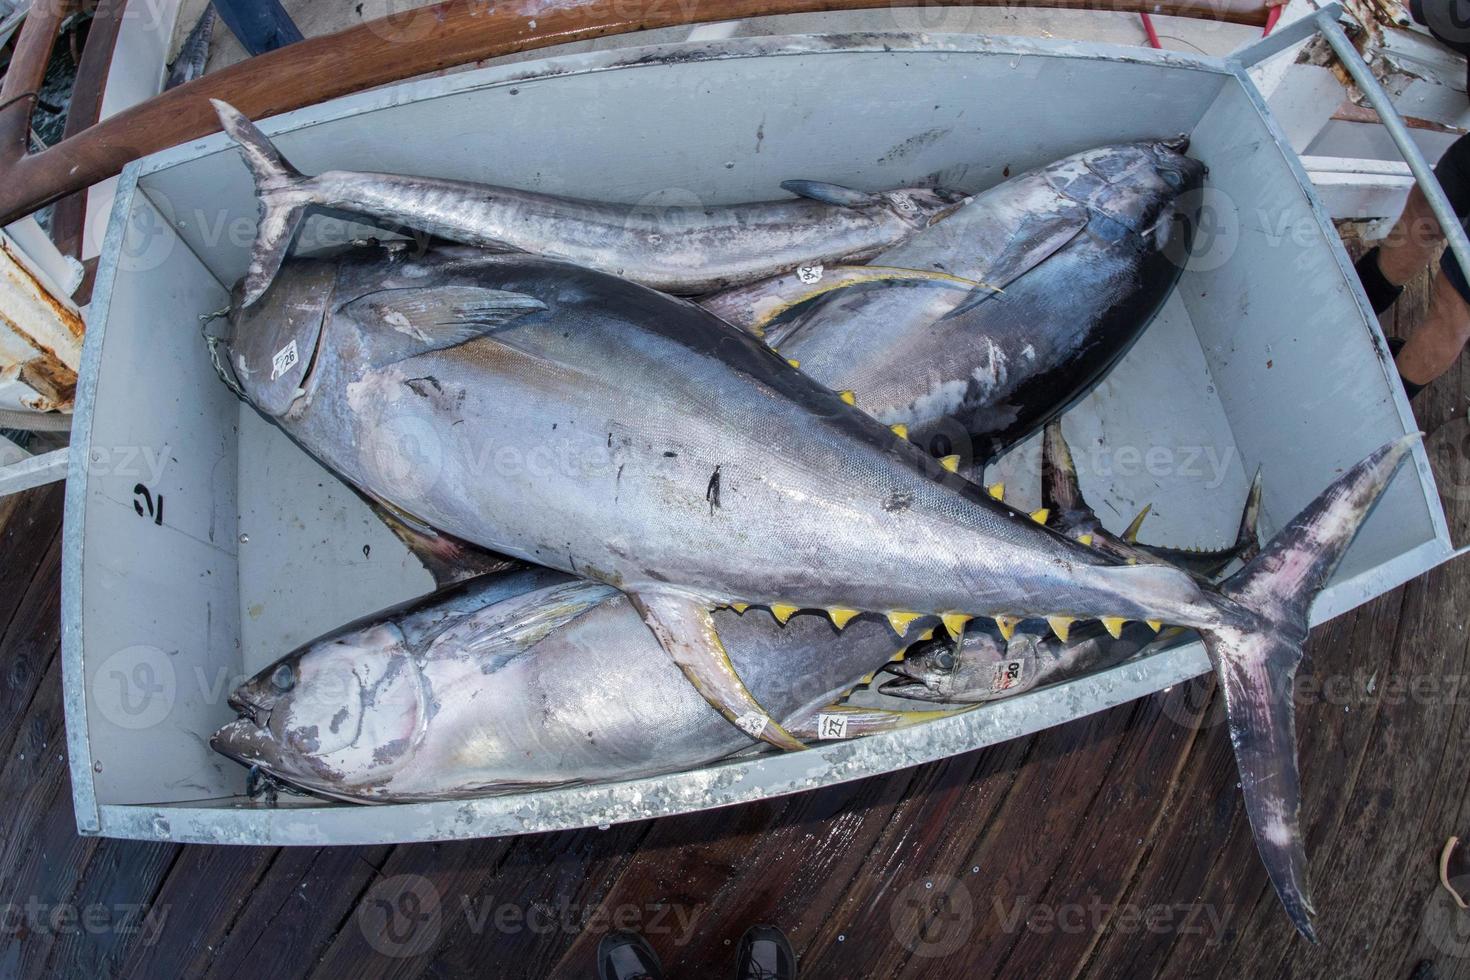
pixel 1060 625
pixel 1007 626
pixel 1114 625
pixel 849 396
pixel 841 617
pixel 997 491
pixel 740 607
pixel 955 623
pixel 793 362
pixel 1040 516
pixel 783 612
pixel 1131 534
pixel 1154 624
pixel 900 430
pixel 901 621
pixel 1085 540
pixel 951 463
pixel 898 657
pixel 928 634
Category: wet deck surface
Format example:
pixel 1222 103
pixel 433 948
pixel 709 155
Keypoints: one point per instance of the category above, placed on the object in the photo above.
pixel 1113 846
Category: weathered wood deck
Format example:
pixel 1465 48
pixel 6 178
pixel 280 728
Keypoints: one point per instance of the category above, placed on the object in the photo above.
pixel 1113 846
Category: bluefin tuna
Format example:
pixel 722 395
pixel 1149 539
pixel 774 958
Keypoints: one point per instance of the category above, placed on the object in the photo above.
pixel 1076 259
pixel 527 679
pixel 685 249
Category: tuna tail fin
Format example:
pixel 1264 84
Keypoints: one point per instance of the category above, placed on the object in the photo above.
pixel 1257 664
pixel 282 202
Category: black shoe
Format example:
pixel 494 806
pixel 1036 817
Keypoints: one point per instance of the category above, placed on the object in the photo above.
pixel 1381 293
pixel 765 954
pixel 1395 347
pixel 627 956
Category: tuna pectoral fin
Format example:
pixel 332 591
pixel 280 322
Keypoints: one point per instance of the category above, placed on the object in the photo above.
pixel 417 320
pixel 754 306
pixel 686 630
pixel 841 721
pixel 282 204
pixel 1038 239
pixel 1257 664
pixel 817 190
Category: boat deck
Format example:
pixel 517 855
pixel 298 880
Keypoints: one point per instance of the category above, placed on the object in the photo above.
pixel 1112 846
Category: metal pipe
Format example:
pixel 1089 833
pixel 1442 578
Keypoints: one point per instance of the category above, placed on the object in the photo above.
pixel 1282 38
pixel 1388 114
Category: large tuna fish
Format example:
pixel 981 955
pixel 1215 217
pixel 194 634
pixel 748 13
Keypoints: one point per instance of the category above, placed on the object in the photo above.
pixel 574 419
pixel 531 678
pixel 1084 252
pixel 676 249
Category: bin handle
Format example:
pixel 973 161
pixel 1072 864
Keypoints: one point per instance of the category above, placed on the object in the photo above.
pixel 1325 20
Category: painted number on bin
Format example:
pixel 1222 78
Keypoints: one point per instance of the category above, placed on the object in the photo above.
pixel 145 504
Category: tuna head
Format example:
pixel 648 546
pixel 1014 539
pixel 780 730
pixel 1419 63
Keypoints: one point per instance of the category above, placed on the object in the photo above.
pixel 272 345
pixel 344 711
pixel 1147 188
pixel 981 666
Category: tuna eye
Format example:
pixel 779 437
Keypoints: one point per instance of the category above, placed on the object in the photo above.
pixel 283 678
pixel 946 660
pixel 1174 179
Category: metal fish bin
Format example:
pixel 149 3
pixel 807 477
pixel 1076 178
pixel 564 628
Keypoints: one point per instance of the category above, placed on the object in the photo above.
pixel 201 544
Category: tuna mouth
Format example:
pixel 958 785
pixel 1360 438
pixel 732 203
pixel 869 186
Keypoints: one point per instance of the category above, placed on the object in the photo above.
pixel 243 741
pixel 254 712
pixel 905 686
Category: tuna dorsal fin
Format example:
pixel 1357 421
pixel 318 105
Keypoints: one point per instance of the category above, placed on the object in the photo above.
pixel 1060 491
pixel 437 318
pixel 817 190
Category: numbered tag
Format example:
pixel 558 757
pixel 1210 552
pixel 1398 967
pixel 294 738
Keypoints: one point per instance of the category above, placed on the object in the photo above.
pixel 831 727
pixel 285 359
pixel 752 724
pixel 1008 673
pixel 904 205
pixel 809 274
